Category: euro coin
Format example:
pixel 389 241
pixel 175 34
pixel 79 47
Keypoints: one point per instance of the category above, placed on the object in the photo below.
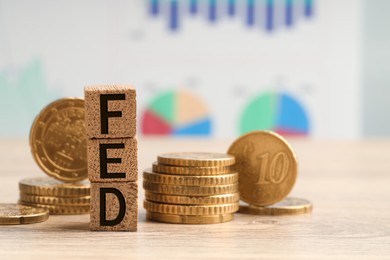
pixel 15 214
pixel 192 200
pixel 46 186
pixel 184 219
pixel 59 201
pixel 58 140
pixel 196 159
pixel 60 210
pixel 190 209
pixel 190 190
pixel 197 171
pixel 267 166
pixel 288 206
pixel 167 179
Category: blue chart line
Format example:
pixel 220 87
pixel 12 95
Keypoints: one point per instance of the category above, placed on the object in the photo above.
pixel 212 10
pixel 267 15
pixel 174 17
pixel 232 7
pixel 308 8
pixel 289 13
pixel 250 17
pixel 193 6
pixel 270 15
pixel 154 7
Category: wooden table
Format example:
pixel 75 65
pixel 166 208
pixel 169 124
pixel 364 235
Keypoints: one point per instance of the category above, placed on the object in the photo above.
pixel 348 182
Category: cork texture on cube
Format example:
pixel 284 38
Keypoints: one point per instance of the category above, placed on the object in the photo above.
pixel 112 160
pixel 102 107
pixel 129 191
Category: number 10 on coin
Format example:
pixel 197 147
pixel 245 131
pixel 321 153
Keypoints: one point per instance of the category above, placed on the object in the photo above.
pixel 278 168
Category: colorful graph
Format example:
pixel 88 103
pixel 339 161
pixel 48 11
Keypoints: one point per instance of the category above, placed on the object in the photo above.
pixel 279 112
pixel 176 113
pixel 24 93
pixel 266 14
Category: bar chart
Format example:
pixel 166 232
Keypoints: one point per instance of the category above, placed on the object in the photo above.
pixel 267 15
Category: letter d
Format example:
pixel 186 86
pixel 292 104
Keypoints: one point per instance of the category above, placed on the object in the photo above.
pixel 103 207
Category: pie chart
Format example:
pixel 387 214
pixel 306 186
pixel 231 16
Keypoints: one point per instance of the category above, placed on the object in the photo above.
pixel 279 112
pixel 176 113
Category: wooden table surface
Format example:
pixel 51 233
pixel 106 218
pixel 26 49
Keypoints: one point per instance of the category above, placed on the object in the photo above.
pixel 347 181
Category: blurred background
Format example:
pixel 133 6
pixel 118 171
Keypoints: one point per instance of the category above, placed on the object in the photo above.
pixel 214 68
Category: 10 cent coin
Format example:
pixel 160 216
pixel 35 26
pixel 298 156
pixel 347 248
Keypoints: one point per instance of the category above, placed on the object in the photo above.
pixel 267 166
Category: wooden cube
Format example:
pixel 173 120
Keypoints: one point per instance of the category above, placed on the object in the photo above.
pixel 112 160
pixel 110 111
pixel 114 206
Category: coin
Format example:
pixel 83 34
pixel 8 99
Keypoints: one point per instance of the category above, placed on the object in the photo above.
pixel 45 186
pixel 58 140
pixel 190 180
pixel 14 214
pixel 190 190
pixel 70 211
pixel 267 166
pixel 60 210
pixel 190 209
pixel 196 159
pixel 183 219
pixel 288 206
pixel 199 171
pixel 59 201
pixel 192 200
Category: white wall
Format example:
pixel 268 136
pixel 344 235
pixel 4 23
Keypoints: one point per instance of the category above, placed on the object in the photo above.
pixel 50 49
pixel 376 67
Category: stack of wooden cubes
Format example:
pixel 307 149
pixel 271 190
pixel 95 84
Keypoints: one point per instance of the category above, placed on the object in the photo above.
pixel 112 157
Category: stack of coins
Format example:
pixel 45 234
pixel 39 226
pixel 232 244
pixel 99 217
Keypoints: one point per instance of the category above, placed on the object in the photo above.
pixel 191 188
pixel 55 196
pixel 58 145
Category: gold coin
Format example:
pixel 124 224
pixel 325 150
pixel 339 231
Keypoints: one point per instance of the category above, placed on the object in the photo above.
pixel 198 171
pixel 45 186
pixel 288 206
pixel 59 201
pixel 198 210
pixel 58 140
pixel 153 177
pixel 267 166
pixel 183 219
pixel 190 190
pixel 60 210
pixel 15 214
pixel 193 200
pixel 196 159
